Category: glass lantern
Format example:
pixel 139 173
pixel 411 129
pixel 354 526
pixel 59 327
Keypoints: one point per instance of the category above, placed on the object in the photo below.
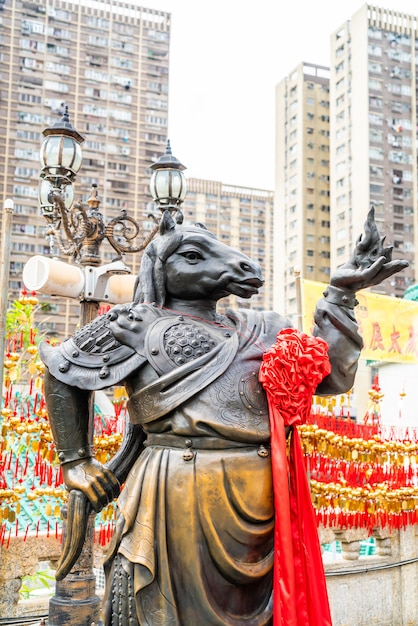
pixel 61 154
pixel 168 184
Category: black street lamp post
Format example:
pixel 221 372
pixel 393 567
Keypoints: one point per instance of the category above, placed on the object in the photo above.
pixel 79 231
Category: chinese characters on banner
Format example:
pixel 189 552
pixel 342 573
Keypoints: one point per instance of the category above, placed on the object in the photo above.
pixel 389 326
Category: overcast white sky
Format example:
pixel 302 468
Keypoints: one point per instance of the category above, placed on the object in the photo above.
pixel 226 58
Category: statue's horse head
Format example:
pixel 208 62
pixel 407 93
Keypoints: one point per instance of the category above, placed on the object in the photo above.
pixel 190 263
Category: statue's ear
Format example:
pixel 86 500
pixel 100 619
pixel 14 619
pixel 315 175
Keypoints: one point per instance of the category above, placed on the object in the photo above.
pixel 167 223
pixel 200 225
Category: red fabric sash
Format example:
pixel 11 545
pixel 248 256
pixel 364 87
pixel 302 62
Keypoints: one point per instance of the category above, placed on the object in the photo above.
pixel 290 372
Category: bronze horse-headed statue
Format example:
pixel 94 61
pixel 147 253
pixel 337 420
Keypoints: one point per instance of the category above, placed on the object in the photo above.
pixel 194 535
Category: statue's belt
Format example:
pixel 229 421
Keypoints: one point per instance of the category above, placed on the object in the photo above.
pixel 179 385
pixel 171 440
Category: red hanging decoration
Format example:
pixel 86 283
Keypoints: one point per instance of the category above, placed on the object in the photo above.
pixel 290 372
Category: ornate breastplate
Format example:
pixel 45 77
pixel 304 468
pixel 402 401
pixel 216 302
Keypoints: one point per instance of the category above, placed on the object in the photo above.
pixel 174 341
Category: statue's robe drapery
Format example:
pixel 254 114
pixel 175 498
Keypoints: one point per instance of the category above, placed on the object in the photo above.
pixel 194 535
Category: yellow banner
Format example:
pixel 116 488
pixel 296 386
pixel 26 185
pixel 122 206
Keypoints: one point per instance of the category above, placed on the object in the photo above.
pixel 389 326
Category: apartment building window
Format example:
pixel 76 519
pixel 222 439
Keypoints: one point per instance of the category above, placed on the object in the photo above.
pixel 57 49
pixel 376 189
pixel 376 33
pixel 29 97
pixel 59 14
pixel 27 154
pixel 57 68
pixel 376 135
pixel 28 229
pixel 98 23
pixel 374 67
pixel 26 172
pixel 310 253
pixel 377 171
pixel 341 251
pixel 399 156
pixel 376 153
pixel 376 118
pixel 398 227
pixel 53 85
pixel 309 269
pixel 23 247
pixel 29 27
pixel 375 102
pixel 59 33
pixel 375 84
pixel 375 50
pixel 325 223
pixel 26 210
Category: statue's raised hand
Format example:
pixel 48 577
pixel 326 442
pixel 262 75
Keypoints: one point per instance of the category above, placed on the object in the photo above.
pixel 371 262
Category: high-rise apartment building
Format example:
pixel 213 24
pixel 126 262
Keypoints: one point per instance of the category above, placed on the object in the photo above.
pixel 241 217
pixel 373 141
pixel 369 111
pixel 109 62
pixel 302 203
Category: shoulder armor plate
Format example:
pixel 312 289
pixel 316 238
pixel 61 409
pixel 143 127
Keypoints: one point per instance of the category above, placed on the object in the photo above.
pixel 101 353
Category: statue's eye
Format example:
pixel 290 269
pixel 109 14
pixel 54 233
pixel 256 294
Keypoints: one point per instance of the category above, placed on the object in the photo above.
pixel 192 255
